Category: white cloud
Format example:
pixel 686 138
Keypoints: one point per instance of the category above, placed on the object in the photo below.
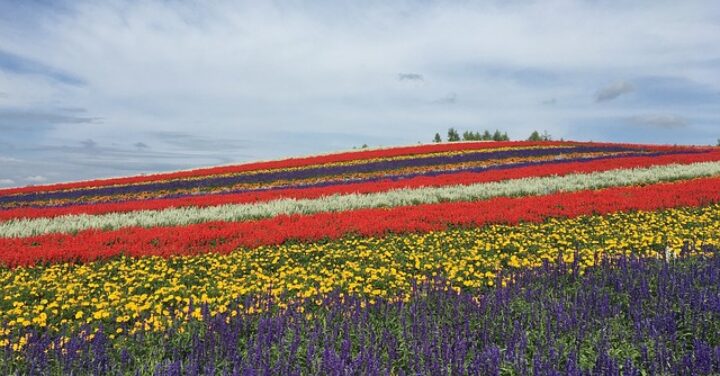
pixel 450 98
pixel 613 91
pixel 88 143
pixel 252 71
pixel 7 182
pixel 36 179
pixel 660 120
pixel 410 77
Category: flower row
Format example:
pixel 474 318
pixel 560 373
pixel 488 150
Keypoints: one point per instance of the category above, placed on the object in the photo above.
pixel 466 176
pixel 149 292
pixel 321 159
pixel 632 316
pixel 224 237
pixel 75 198
pixel 285 175
pixel 291 163
pixel 349 202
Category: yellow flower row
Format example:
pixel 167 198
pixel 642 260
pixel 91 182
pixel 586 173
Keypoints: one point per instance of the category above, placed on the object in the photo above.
pixel 129 294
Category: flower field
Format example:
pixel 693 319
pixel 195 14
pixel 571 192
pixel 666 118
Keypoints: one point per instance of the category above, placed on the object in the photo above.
pixel 517 258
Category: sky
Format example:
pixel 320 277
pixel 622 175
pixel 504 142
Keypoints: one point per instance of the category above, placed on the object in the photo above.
pixel 94 89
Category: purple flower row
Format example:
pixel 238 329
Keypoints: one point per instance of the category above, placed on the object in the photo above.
pixel 392 177
pixel 628 316
pixel 267 177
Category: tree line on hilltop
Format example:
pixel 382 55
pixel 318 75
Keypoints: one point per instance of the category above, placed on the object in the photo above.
pixel 454 136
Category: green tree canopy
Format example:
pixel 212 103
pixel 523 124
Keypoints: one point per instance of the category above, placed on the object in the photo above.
pixel 453 135
pixel 536 136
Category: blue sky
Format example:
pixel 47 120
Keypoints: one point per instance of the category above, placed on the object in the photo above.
pixel 96 89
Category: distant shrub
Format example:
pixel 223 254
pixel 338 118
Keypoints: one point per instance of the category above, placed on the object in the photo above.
pixel 536 136
pixel 453 135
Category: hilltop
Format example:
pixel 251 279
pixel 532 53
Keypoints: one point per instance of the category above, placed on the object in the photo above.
pixel 460 257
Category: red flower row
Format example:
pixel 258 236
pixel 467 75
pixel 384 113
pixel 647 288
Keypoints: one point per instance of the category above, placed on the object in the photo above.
pixel 370 187
pixel 225 237
pixel 284 163
pixel 298 162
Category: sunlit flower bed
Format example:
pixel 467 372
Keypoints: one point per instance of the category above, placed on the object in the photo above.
pixel 251 268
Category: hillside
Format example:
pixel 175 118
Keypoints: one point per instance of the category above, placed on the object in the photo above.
pixel 449 258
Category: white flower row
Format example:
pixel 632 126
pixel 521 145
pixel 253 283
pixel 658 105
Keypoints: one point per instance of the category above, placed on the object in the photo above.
pixel 393 198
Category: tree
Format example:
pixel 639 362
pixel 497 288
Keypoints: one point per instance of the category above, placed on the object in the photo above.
pixel 535 136
pixel 471 136
pixel 453 135
pixel 718 144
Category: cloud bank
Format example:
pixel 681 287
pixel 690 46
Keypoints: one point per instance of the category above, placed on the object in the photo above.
pixel 660 120
pixel 171 85
pixel 613 91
